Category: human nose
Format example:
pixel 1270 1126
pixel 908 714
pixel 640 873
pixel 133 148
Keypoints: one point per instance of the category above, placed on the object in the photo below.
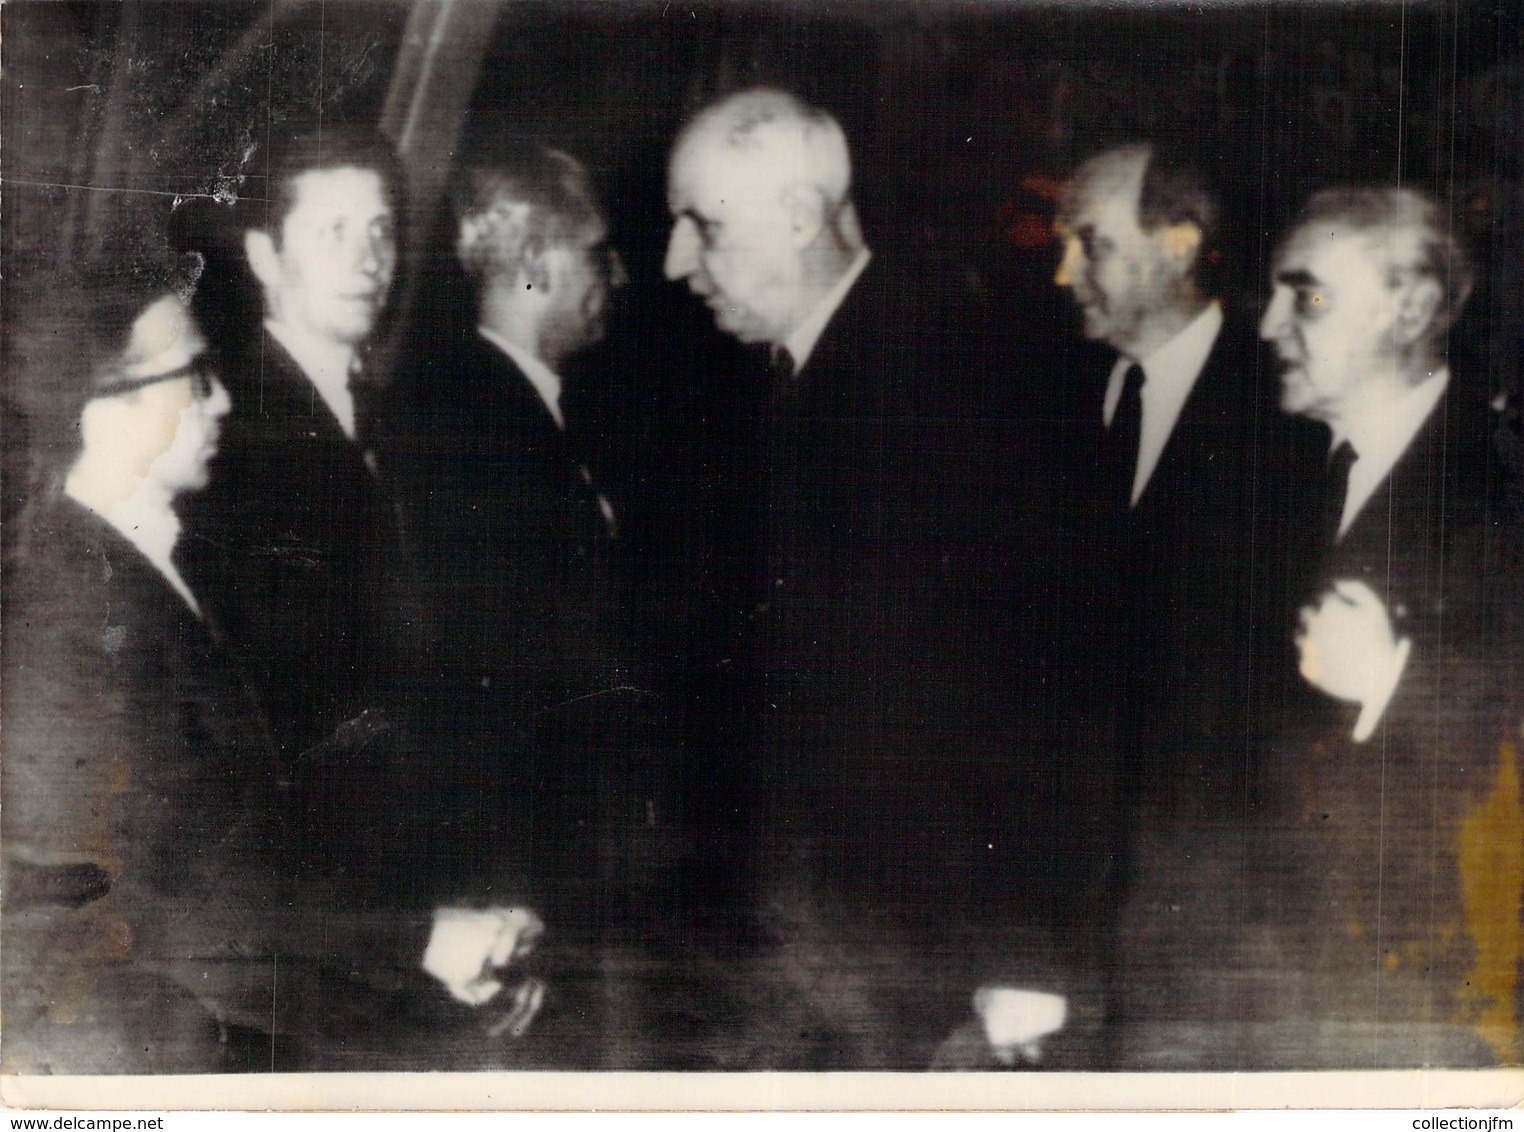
pixel 1068 267
pixel 1274 320
pixel 617 275
pixel 219 403
pixel 682 251
pixel 377 254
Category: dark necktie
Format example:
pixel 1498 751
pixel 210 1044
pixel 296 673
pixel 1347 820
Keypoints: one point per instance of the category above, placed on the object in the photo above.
pixel 365 396
pixel 1336 490
pixel 1123 437
pixel 781 367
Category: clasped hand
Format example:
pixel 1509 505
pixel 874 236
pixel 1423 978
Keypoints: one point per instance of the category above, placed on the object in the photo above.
pixel 468 946
pixel 1350 651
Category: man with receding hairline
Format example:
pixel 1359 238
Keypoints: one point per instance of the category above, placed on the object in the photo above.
pixel 764 229
pixel 1332 917
pixel 511 522
pixel 1186 451
pixel 860 769
pixel 1383 775
pixel 1185 482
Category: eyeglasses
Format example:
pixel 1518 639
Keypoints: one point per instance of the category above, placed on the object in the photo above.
pixel 202 371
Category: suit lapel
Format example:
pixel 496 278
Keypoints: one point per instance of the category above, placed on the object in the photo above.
pixel 517 404
pixel 1206 427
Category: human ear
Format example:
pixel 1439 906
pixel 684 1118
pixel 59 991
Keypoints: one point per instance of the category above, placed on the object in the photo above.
pixel 100 418
pixel 805 205
pixel 535 269
pixel 1183 240
pixel 259 250
pixel 1418 300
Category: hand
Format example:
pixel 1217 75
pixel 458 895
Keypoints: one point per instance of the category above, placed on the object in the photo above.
pixel 1016 1021
pixel 467 945
pixel 1350 651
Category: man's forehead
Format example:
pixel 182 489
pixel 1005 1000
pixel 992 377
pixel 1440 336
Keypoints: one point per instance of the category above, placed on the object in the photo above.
pixel 341 188
pixel 1109 183
pixel 1111 209
pixel 1319 253
pixel 711 176
pixel 697 164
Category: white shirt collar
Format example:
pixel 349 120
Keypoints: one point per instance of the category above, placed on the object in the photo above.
pixel 328 365
pixel 1169 374
pixel 544 379
pixel 801 343
pixel 1380 439
pixel 146 519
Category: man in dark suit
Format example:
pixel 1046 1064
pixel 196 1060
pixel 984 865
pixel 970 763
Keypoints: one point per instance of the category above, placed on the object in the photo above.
pixel 514 529
pixel 157 918
pixel 858 768
pixel 1181 533
pixel 296 542
pixel 1189 459
pixel 528 527
pixel 1390 785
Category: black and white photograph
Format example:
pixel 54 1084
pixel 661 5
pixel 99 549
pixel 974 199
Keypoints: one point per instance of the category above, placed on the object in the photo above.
pixel 761 536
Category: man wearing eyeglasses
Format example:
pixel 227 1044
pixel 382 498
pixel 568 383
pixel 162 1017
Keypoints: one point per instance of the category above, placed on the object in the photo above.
pixel 158 916
pixel 114 689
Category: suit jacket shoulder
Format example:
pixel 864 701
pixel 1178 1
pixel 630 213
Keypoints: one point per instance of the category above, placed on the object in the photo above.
pixel 894 344
pixel 516 537
pixel 1443 483
pixel 295 546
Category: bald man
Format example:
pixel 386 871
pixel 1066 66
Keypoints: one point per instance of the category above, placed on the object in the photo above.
pixel 1191 463
pixel 1333 917
pixel 867 769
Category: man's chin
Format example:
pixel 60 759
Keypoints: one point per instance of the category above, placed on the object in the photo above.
pixel 355 324
pixel 1094 325
pixel 1296 403
pixel 353 332
pixel 742 329
pixel 190 483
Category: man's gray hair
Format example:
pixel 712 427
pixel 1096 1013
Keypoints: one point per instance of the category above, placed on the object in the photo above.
pixel 1438 254
pixel 766 120
pixel 510 212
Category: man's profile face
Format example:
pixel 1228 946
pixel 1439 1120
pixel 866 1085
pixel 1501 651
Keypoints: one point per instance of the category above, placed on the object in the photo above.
pixel 171 425
pixel 1331 316
pixel 584 276
pixel 336 255
pixel 1119 275
pixel 733 240
pixel 184 465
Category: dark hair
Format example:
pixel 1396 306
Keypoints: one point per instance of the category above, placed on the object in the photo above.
pixel 554 187
pixel 269 190
pixel 1175 191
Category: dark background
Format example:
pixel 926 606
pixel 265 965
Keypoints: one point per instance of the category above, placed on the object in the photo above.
pixel 963 118
pixel 122 120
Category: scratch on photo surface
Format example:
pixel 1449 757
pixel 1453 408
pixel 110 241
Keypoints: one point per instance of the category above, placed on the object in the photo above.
pixel 601 692
pixel 219 195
